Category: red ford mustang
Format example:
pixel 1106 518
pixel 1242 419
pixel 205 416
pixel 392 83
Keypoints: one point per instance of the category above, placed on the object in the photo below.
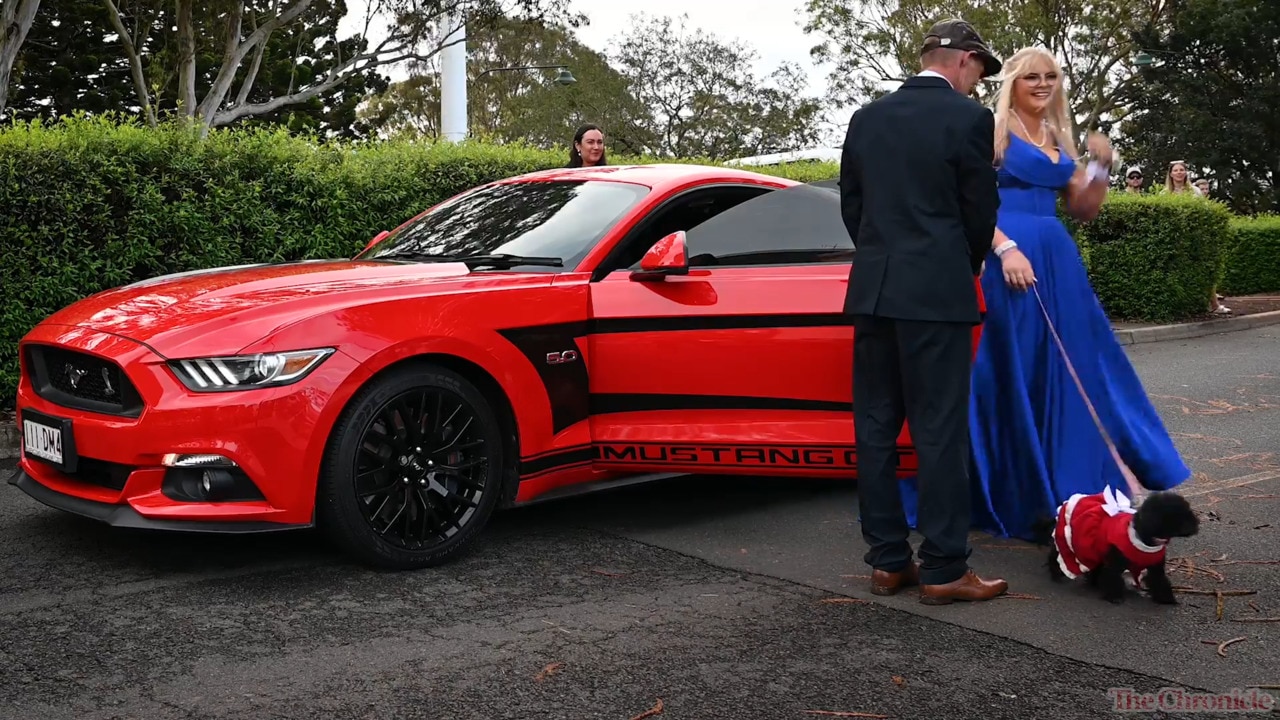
pixel 544 334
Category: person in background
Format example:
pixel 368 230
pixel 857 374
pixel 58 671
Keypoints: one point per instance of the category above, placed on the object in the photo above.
pixel 1203 186
pixel 1175 181
pixel 1133 180
pixel 588 147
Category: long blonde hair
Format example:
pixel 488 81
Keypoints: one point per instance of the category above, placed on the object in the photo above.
pixel 1057 114
pixel 1186 179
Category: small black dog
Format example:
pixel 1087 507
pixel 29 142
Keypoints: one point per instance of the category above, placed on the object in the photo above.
pixel 1102 546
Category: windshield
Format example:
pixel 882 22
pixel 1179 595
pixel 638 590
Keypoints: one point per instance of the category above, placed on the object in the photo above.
pixel 558 219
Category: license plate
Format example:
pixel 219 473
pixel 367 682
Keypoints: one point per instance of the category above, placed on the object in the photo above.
pixel 42 441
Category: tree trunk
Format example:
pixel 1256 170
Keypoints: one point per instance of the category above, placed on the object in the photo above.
pixel 16 17
pixel 186 60
pixel 135 63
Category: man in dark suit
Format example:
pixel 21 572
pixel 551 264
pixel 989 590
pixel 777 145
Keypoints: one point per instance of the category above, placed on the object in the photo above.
pixel 918 195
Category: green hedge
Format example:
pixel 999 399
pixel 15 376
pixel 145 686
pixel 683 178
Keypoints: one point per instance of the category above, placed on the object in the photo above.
pixel 1155 258
pixel 91 204
pixel 1252 262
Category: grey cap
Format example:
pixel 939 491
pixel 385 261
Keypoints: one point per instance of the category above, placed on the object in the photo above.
pixel 957 34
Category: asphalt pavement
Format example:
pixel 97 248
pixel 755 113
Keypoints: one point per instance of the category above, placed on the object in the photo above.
pixel 690 598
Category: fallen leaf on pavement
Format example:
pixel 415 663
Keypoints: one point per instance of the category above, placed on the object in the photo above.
pixel 1221 602
pixel 1222 646
pixel 1254 606
pixel 1227 593
pixel 655 710
pixel 899 680
pixel 842 600
pixel 1190 567
pixel 837 713
pixel 548 671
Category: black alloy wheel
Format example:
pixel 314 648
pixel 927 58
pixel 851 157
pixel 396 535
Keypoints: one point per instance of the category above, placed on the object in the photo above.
pixel 414 469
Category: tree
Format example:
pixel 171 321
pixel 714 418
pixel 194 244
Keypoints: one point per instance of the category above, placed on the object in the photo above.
pixel 871 43
pixel 1211 96
pixel 68 64
pixel 238 39
pixel 99 56
pixel 521 104
pixel 705 99
pixel 16 17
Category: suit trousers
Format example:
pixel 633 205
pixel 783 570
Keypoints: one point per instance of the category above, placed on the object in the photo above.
pixel 919 372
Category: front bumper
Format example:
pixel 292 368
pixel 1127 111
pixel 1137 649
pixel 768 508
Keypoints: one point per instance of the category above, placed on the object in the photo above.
pixel 275 437
pixel 124 516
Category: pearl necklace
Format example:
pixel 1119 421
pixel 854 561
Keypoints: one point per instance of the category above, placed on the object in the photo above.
pixel 1044 130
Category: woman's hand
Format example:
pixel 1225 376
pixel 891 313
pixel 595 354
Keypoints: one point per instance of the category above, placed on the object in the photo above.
pixel 1017 270
pixel 1100 147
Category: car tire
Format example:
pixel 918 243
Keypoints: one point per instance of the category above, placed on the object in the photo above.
pixel 380 493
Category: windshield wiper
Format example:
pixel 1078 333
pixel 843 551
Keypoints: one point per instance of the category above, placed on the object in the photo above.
pixel 506 260
pixel 496 260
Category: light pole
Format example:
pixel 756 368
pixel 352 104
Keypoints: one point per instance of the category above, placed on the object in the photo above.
pixel 453 80
pixel 453 84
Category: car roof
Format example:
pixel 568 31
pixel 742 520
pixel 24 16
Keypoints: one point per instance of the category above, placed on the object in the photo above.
pixel 655 176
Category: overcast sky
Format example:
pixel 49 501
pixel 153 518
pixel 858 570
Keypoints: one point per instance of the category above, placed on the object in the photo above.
pixel 773 28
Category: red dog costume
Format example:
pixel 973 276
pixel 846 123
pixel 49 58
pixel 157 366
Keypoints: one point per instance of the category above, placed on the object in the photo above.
pixel 1090 525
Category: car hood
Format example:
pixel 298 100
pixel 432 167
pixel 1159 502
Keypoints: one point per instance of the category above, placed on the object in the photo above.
pixel 225 309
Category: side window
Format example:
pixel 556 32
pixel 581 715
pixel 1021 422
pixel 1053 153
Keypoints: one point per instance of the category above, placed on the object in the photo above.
pixel 798 225
pixel 686 212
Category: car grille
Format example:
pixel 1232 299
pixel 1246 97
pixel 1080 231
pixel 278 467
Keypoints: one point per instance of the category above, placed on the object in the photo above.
pixel 101 473
pixel 82 381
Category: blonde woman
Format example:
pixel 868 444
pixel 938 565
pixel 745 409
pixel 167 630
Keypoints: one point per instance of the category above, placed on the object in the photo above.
pixel 1033 441
pixel 1176 180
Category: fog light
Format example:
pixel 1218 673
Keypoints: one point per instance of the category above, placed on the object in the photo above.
pixel 216 484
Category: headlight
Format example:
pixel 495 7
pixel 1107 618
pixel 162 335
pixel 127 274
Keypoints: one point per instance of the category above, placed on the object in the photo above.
pixel 247 372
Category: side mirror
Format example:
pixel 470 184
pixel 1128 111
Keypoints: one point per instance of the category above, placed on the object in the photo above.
pixel 668 256
pixel 377 238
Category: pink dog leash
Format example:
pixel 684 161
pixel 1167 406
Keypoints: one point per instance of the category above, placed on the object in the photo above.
pixel 1134 488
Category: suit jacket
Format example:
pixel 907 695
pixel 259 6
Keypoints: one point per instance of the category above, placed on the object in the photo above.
pixel 919 198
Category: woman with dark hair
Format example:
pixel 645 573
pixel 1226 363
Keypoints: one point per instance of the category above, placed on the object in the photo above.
pixel 588 147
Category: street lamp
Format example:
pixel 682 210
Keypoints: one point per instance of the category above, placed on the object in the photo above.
pixel 1146 57
pixel 564 78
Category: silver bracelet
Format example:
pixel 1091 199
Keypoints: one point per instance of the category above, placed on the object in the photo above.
pixel 1096 172
pixel 1005 247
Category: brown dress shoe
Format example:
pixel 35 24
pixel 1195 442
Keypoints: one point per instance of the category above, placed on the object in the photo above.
pixel 889 583
pixel 969 587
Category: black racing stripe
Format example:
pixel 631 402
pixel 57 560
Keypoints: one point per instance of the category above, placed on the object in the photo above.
pixel 566 384
pixel 611 326
pixel 605 403
pixel 556 460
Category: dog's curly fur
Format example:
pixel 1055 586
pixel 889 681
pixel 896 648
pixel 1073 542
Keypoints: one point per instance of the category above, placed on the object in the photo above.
pixel 1161 516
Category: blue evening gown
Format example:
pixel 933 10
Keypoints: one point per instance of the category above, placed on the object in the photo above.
pixel 1033 441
